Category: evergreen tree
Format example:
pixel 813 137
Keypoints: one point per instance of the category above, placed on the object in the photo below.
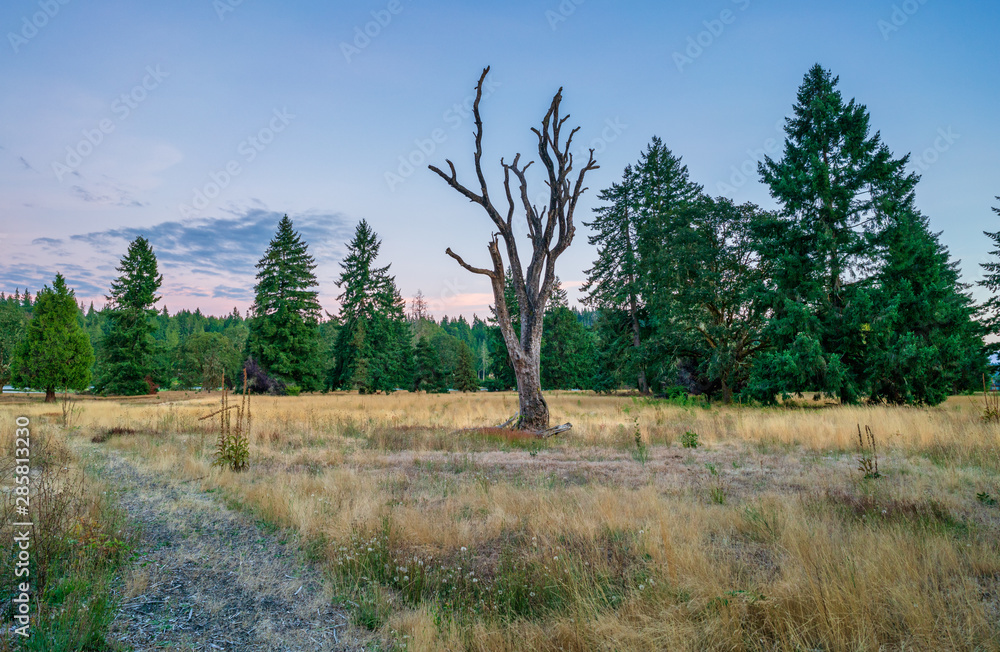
pixel 127 364
pixel 465 379
pixel 427 375
pixel 284 326
pixel 838 187
pixel 568 352
pixel 924 344
pixel 707 290
pixel 632 230
pixel 373 351
pixel 12 325
pixel 55 352
pixel 206 359
pixel 991 282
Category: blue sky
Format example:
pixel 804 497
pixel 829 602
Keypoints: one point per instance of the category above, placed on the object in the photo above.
pixel 199 122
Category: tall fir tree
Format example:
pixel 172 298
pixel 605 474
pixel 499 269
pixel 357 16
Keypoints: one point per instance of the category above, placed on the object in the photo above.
pixel 126 364
pixel 838 186
pixel 464 377
pixel 613 282
pixel 990 311
pixel 373 351
pixel 631 232
pixel 427 373
pixel 12 324
pixel 923 343
pixel 55 353
pixel 284 335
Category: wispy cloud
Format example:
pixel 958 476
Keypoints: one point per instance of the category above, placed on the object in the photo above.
pixel 231 244
pixel 200 258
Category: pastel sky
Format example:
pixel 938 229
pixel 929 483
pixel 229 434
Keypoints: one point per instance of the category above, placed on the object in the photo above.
pixel 198 123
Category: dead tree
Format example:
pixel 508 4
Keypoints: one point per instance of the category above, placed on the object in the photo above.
pixel 550 231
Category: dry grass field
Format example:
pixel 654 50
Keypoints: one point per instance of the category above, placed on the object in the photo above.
pixel 649 526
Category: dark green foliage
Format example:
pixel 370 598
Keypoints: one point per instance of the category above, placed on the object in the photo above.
pixel 991 282
pixel 706 289
pixel 630 234
pixel 284 327
pixel 428 375
pixel 844 292
pixel 568 352
pixel 373 350
pixel 838 187
pixel 55 353
pixel 923 344
pixel 464 378
pixel 13 320
pixel 126 362
pixel 207 358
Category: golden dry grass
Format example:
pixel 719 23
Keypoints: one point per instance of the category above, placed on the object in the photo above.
pixel 766 537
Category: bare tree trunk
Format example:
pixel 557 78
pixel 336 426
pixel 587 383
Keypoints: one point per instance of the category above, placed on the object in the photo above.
pixel 532 286
pixel 50 395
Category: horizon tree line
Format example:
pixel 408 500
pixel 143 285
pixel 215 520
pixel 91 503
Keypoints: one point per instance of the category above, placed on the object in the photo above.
pixel 842 291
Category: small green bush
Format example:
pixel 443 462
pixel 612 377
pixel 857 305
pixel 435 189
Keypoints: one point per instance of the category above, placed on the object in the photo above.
pixel 689 439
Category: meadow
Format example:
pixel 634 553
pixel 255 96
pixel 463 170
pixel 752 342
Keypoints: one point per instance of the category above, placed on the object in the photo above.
pixel 651 525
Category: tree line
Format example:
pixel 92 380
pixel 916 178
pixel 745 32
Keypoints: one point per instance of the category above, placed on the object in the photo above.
pixel 287 344
pixel 842 291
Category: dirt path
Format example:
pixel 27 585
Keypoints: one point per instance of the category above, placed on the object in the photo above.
pixel 208 578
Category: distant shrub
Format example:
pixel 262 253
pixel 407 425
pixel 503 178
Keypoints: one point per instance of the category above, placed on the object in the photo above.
pixel 293 390
pixel 258 381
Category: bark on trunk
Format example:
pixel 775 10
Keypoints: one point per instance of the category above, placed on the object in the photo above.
pixel 550 232
pixel 50 395
pixel 534 410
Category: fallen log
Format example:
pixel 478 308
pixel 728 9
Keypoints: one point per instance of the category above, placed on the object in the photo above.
pixel 552 432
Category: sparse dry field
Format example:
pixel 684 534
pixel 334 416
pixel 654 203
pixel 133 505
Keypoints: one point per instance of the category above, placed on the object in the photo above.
pixel 764 537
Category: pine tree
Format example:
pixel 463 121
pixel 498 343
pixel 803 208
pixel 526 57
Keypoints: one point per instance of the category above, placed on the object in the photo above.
pixel 427 375
pixel 284 324
pixel 991 282
pixel 373 351
pixel 12 324
pixel 838 187
pixel 126 363
pixel 568 352
pixel 465 379
pixel 632 231
pixel 55 353
pixel 924 344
